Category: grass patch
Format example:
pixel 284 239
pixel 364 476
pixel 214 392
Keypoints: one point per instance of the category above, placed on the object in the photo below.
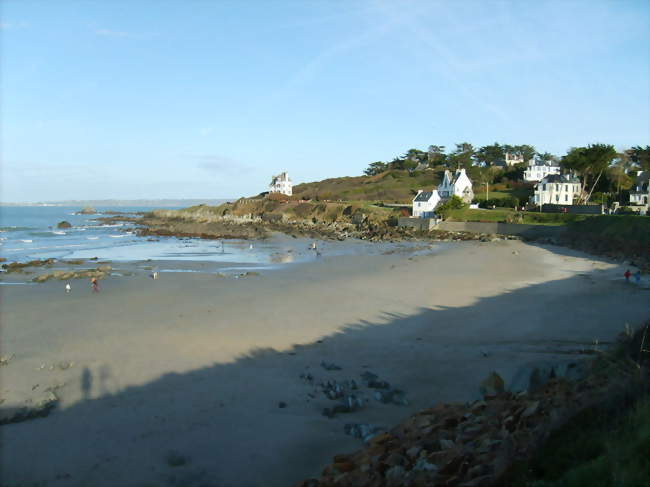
pixel 508 215
pixel 598 448
pixel 393 186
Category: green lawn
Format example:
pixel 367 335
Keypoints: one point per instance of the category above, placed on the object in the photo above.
pixel 508 215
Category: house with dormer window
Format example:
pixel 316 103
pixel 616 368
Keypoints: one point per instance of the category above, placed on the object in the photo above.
pixel 556 189
pixel 457 184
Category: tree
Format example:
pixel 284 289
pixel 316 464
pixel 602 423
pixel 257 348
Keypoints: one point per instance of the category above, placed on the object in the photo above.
pixel 489 154
pixel 376 168
pixel 618 172
pixel 546 157
pixel 462 157
pixel 640 156
pixel 590 162
pixel 415 155
pixel 528 151
pixel 436 155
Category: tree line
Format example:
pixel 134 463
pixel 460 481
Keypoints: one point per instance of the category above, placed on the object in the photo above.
pixel 600 166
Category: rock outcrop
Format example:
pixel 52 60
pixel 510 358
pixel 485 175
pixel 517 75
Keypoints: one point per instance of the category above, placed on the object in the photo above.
pixel 474 444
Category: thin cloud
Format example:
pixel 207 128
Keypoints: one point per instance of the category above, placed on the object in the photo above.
pixel 13 25
pixel 113 33
pixel 219 163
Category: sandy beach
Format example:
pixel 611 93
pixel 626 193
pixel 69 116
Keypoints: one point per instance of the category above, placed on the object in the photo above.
pixel 194 379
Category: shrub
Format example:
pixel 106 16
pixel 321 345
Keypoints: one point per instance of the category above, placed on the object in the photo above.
pixel 453 203
pixel 509 202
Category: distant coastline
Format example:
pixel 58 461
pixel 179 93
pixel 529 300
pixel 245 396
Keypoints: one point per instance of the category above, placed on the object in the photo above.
pixel 116 202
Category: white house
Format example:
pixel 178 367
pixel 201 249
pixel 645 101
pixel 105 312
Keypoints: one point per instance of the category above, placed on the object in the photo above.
pixel 556 189
pixel 425 203
pixel 512 159
pixel 538 170
pixel 640 193
pixel 281 184
pixel 457 185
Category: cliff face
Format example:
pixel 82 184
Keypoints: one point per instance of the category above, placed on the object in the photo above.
pixel 255 218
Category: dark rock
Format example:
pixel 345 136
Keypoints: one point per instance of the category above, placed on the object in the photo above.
pixel 329 366
pixel 175 459
pixel 282 404
pixel 64 224
pixel 493 385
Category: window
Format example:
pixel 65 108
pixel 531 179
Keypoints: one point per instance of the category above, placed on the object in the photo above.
pixel 557 187
pixel 566 197
pixel 566 187
pixel 557 198
pixel 543 187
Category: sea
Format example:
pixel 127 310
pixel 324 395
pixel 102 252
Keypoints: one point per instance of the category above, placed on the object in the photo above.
pixel 30 232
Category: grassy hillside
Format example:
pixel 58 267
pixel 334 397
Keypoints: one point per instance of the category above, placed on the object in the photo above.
pixel 391 187
pixel 396 186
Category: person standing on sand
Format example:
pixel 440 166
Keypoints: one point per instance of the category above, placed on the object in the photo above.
pixel 94 284
pixel 637 277
pixel 67 287
pixel 627 275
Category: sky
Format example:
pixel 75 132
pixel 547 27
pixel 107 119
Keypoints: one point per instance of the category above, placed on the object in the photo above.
pixel 209 99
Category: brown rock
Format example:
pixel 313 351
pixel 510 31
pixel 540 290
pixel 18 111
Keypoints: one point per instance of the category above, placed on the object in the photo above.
pixel 344 466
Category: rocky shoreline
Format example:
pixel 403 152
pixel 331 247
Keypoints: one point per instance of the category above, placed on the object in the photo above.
pixel 200 224
pixel 475 444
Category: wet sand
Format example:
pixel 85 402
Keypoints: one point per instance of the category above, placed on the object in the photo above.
pixel 178 381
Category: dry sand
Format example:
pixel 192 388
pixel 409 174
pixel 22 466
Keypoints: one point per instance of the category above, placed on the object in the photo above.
pixel 197 365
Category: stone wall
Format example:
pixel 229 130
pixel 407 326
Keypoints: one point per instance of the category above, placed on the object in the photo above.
pixel 425 224
pixel 529 231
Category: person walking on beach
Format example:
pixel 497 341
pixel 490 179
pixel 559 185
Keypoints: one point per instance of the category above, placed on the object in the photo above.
pixel 627 275
pixel 637 277
pixel 67 287
pixel 94 284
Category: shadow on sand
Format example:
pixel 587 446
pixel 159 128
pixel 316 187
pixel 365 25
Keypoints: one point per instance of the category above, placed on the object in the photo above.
pixel 221 425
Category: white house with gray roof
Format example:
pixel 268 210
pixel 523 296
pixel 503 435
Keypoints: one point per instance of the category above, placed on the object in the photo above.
pixel 556 189
pixel 640 192
pixel 425 203
pixel 538 170
pixel 281 184
pixel 457 185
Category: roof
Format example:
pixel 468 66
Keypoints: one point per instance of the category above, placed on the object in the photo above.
pixel 423 196
pixel 544 163
pixel 642 178
pixel 560 178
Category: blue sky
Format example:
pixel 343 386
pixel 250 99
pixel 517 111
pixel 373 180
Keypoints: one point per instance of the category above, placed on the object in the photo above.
pixel 209 99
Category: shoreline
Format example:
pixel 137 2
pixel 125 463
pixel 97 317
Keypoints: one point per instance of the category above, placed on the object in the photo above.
pixel 208 361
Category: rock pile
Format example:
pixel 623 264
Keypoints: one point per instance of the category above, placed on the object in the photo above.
pixel 101 272
pixel 20 266
pixel 462 444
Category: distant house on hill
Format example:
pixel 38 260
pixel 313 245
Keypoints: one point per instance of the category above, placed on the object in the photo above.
pixel 425 203
pixel 512 159
pixel 537 170
pixel 640 193
pixel 556 189
pixel 281 184
pixel 457 185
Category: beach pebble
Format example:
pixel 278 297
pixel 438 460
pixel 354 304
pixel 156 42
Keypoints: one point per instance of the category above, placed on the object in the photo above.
pixel 5 359
pixel 329 366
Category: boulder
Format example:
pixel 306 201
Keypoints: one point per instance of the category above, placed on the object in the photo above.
pixel 64 224
pixel 493 385
pixel 88 210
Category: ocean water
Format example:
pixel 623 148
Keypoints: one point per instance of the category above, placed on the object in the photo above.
pixel 29 232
